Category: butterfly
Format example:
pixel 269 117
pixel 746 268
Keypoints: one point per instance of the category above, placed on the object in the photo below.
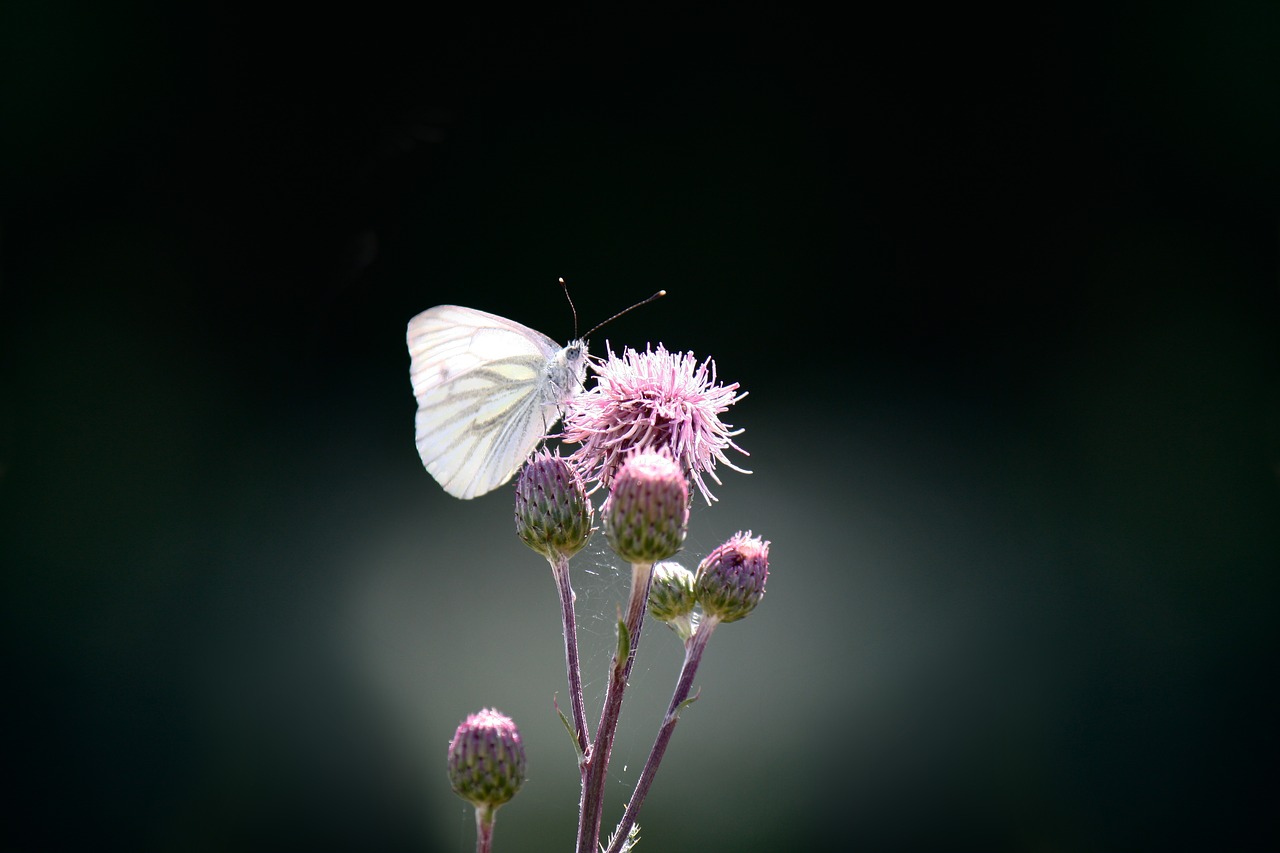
pixel 488 391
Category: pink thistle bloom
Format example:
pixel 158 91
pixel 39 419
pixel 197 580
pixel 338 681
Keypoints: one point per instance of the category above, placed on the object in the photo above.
pixel 651 400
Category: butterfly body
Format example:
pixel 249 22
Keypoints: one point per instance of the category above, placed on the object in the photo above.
pixel 488 391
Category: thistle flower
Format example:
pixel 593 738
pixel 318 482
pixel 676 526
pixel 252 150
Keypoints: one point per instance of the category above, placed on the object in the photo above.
pixel 553 512
pixel 486 759
pixel 730 580
pixel 650 400
pixel 671 597
pixel 646 515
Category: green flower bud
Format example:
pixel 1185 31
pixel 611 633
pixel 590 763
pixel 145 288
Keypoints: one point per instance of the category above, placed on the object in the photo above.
pixel 671 597
pixel 730 580
pixel 486 759
pixel 553 512
pixel 647 514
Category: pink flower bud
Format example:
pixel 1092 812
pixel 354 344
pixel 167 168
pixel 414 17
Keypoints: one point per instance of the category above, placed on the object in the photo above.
pixel 486 759
pixel 647 514
pixel 553 512
pixel 730 581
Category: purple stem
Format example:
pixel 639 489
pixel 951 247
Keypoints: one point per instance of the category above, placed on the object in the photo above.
pixel 560 570
pixel 692 657
pixel 484 828
pixel 598 761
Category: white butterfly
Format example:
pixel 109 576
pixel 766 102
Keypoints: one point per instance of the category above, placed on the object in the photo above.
pixel 488 390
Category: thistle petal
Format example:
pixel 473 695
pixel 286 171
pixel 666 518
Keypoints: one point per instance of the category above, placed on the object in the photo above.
pixel 655 399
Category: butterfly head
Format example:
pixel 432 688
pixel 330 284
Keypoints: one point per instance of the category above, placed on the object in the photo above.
pixel 568 370
pixel 575 351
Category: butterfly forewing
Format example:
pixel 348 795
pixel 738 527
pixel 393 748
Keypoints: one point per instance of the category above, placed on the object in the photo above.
pixel 480 382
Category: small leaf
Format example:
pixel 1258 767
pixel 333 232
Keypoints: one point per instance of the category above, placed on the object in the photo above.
pixel 675 715
pixel 633 838
pixel 568 727
pixel 624 643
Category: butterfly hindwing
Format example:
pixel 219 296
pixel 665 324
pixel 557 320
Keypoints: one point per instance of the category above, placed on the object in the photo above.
pixel 481 384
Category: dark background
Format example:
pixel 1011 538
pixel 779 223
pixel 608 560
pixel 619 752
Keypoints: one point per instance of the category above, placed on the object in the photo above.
pixel 1002 287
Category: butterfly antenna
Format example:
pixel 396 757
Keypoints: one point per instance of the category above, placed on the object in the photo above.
pixel 572 310
pixel 657 295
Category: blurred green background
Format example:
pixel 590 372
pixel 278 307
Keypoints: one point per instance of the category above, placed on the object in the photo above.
pixel 1003 292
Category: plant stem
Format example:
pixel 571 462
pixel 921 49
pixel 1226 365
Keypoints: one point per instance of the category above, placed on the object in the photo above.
pixel 560 570
pixel 484 828
pixel 693 649
pixel 598 760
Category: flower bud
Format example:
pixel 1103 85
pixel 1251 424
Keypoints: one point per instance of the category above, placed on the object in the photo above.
pixel 647 514
pixel 553 512
pixel 671 597
pixel 730 580
pixel 486 759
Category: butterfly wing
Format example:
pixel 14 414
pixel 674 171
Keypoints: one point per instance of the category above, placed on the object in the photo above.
pixel 483 405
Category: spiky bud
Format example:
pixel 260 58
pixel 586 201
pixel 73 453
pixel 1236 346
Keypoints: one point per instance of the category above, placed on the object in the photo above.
pixel 553 512
pixel 486 759
pixel 671 597
pixel 647 514
pixel 730 580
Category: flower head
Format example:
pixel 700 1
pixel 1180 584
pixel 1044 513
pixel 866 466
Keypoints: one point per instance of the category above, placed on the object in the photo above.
pixel 646 515
pixel 486 759
pixel 553 512
pixel 653 399
pixel 671 597
pixel 730 580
